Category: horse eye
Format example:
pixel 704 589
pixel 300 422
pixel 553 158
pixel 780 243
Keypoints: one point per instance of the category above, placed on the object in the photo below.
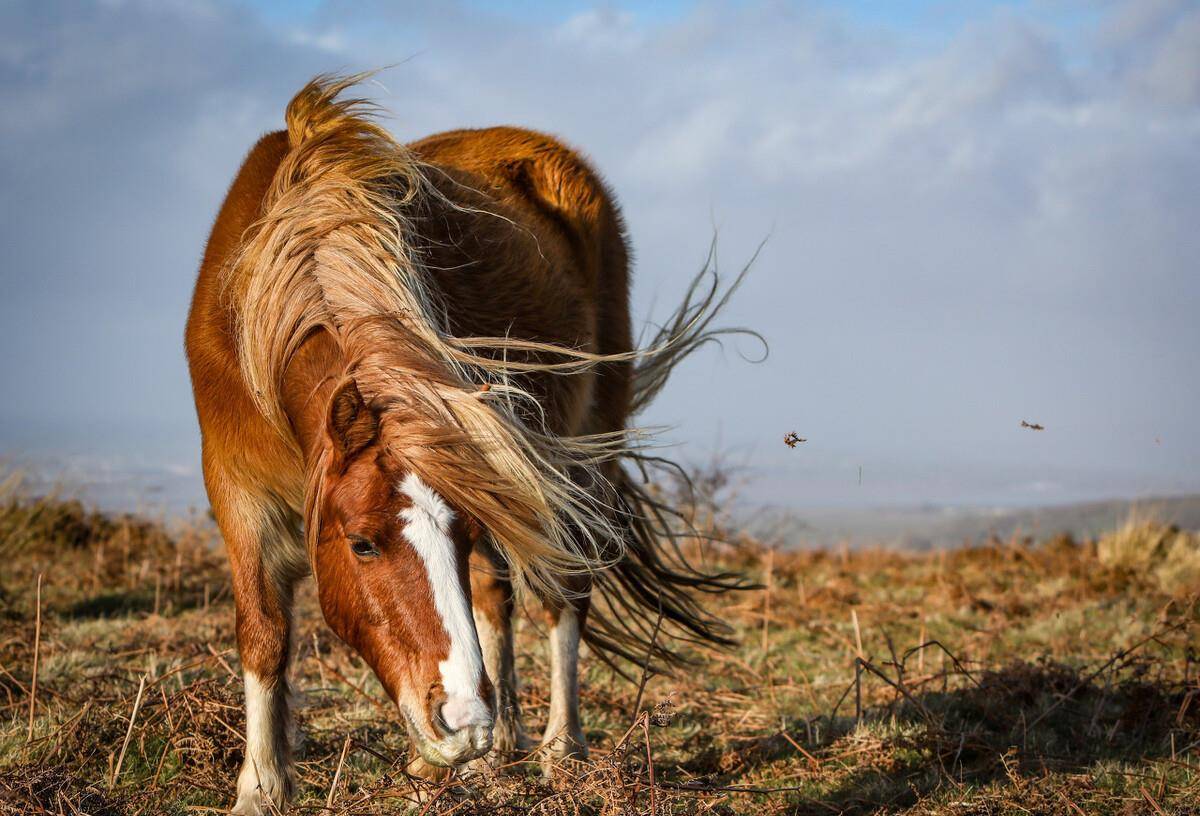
pixel 362 547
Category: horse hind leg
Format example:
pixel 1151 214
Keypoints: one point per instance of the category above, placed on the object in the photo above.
pixel 563 737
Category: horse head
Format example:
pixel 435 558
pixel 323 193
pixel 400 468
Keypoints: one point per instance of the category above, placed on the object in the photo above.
pixel 390 558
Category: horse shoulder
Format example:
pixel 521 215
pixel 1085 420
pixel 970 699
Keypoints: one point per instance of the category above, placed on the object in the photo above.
pixel 233 432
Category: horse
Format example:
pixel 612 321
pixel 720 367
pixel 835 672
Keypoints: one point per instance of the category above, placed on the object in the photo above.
pixel 414 374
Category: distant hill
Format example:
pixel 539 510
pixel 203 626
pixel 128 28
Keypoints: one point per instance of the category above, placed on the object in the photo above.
pixel 932 526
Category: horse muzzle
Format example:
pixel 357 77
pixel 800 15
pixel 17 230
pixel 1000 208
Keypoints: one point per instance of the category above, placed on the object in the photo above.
pixel 458 730
pixel 458 747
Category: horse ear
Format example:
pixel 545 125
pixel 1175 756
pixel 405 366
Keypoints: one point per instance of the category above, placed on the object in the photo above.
pixel 352 425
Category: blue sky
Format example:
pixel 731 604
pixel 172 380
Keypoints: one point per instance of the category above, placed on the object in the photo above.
pixel 978 213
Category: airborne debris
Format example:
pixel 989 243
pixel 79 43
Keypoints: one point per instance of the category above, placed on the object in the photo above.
pixel 1033 426
pixel 663 714
pixel 791 439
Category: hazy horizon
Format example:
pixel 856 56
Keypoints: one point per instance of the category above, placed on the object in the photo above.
pixel 977 213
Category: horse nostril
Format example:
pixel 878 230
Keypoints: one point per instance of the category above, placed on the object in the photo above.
pixel 482 739
pixel 457 714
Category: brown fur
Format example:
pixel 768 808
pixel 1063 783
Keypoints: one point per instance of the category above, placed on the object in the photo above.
pixel 457 309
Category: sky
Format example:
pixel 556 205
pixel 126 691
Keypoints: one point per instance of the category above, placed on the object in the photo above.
pixel 975 213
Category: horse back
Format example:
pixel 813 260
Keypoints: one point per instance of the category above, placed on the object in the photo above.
pixel 533 247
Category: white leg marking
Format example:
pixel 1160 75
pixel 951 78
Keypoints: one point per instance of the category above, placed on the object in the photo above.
pixel 264 775
pixel 428 529
pixel 564 735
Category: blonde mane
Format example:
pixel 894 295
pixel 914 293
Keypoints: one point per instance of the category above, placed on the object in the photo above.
pixel 332 252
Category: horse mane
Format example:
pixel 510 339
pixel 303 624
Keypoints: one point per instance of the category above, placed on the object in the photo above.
pixel 332 251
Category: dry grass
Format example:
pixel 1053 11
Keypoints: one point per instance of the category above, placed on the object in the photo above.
pixel 1144 545
pixel 1057 677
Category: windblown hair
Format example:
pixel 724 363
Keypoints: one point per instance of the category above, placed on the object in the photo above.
pixel 333 251
pixel 654 587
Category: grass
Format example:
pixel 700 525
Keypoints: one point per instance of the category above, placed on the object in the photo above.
pixel 1019 677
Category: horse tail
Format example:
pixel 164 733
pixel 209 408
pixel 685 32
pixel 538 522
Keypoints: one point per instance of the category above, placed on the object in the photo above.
pixel 648 598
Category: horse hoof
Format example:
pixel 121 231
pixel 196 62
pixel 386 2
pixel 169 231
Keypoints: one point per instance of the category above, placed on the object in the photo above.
pixel 560 751
pixel 511 741
pixel 262 794
pixel 251 804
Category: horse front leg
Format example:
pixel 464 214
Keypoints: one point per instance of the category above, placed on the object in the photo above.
pixel 266 558
pixel 563 738
pixel 493 607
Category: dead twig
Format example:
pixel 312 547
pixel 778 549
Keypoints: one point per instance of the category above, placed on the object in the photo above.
pixel 37 645
pixel 637 703
pixel 137 702
pixel 337 774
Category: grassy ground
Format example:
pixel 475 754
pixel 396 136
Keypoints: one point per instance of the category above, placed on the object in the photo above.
pixel 1056 677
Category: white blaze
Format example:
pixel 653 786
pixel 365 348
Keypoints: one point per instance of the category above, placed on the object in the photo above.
pixel 427 527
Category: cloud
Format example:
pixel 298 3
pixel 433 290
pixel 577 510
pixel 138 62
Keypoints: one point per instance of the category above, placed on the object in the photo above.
pixel 968 228
pixel 123 124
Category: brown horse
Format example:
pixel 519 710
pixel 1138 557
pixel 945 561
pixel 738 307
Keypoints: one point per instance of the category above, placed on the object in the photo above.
pixel 413 369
